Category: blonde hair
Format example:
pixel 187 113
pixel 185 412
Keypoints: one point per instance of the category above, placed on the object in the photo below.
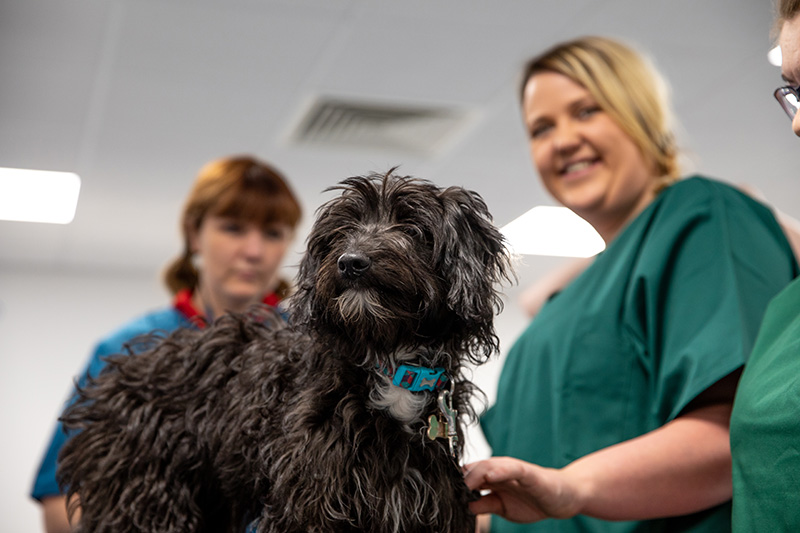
pixel 240 187
pixel 627 87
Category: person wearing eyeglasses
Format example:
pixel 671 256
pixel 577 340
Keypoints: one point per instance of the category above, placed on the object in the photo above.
pixel 788 96
pixel 765 422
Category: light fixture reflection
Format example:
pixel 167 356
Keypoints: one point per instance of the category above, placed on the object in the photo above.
pixel 38 195
pixel 556 231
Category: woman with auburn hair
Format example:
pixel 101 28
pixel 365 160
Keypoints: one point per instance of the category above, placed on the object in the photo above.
pixel 237 224
pixel 613 406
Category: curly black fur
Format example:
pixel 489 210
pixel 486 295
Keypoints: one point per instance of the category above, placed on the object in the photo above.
pixel 293 425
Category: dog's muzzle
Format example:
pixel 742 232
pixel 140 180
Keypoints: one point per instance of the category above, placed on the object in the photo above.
pixel 353 265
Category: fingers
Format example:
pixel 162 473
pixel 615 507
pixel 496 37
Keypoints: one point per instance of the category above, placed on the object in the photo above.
pixel 510 489
pixel 473 475
pixel 485 474
pixel 489 504
pixel 483 522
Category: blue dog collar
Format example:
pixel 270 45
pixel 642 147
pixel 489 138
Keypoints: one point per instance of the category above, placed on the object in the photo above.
pixel 415 378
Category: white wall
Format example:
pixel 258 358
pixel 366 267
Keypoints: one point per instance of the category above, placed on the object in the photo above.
pixel 49 321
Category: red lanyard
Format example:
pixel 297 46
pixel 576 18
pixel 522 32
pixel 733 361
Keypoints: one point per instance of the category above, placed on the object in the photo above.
pixel 183 303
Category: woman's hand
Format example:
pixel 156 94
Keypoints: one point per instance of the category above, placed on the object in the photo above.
pixel 680 468
pixel 522 492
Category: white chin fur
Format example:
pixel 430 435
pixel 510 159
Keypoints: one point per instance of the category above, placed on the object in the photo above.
pixel 355 306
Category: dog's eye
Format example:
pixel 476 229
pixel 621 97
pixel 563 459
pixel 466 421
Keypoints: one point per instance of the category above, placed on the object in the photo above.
pixel 412 231
pixel 417 234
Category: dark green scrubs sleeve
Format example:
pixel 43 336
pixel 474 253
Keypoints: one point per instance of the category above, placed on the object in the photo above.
pixel 709 278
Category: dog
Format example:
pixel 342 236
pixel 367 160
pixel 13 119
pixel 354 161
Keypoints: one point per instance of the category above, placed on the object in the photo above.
pixel 348 419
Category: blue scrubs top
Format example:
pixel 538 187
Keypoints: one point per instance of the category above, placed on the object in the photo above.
pixel 165 320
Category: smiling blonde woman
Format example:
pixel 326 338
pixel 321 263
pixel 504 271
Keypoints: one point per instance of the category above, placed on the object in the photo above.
pixel 613 406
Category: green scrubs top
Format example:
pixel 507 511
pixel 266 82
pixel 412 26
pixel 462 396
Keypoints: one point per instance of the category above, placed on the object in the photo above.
pixel 669 308
pixel 765 424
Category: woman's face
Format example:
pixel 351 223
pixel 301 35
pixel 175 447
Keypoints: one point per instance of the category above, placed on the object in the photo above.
pixel 240 260
pixel 585 160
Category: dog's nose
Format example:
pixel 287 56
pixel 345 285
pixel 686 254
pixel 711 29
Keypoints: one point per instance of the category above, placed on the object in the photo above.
pixel 353 265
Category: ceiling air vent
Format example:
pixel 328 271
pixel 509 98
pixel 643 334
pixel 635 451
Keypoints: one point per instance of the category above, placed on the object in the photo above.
pixel 355 124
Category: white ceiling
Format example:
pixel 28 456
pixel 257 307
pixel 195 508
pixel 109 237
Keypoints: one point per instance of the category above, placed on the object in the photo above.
pixel 135 95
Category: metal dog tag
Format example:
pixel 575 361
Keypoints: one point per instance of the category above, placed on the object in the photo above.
pixel 450 414
pixel 436 428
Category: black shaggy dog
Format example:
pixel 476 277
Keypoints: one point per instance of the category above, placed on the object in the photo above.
pixel 349 419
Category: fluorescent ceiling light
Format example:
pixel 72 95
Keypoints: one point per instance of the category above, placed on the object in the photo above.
pixel 38 195
pixel 774 56
pixel 546 230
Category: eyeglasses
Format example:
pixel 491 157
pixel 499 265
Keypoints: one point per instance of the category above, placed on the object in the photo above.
pixel 789 98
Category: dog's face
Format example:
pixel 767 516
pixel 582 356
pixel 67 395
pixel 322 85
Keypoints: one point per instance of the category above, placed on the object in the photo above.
pixel 396 261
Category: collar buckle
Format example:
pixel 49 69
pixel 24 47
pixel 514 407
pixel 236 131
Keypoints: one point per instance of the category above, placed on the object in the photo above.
pixel 416 378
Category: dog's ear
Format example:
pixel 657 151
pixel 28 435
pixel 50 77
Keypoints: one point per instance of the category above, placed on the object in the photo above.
pixel 474 258
pixel 304 304
pixel 301 303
